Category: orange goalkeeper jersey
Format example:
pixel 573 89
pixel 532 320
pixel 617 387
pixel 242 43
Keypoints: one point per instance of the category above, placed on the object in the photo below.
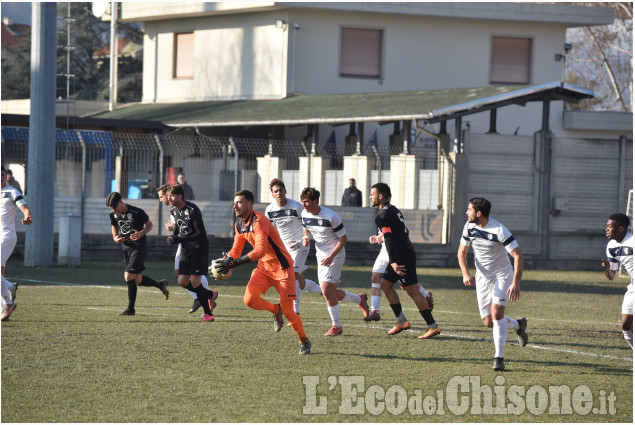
pixel 263 236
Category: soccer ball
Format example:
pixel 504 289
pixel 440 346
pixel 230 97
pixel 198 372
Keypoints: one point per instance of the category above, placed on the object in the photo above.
pixel 216 274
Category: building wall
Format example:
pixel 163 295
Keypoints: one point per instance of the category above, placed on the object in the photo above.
pixel 235 57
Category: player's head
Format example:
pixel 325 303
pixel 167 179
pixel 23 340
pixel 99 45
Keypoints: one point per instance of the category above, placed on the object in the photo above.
pixel 115 202
pixel 278 191
pixel 380 194
pixel 243 203
pixel 617 226
pixel 310 198
pixel 477 208
pixel 176 195
pixel 162 191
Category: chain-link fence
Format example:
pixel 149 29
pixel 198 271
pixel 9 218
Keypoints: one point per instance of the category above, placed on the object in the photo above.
pixel 91 164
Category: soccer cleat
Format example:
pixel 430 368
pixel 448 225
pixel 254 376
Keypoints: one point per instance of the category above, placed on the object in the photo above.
pixel 127 312
pixel 207 318
pixel 430 301
pixel 212 301
pixel 430 333
pixel 399 326
pixel 373 316
pixel 12 292
pixel 499 365
pixel 522 332
pixel 305 347
pixel 164 288
pixel 195 306
pixel 278 321
pixel 334 331
pixel 8 309
pixel 363 304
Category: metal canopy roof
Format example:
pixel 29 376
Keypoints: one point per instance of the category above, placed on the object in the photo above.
pixel 338 109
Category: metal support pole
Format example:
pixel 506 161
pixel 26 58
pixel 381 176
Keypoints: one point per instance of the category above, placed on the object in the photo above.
pixel 114 50
pixel 492 122
pixel 39 241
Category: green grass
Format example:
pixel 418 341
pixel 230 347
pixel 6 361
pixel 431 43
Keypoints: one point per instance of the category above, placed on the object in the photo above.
pixel 68 357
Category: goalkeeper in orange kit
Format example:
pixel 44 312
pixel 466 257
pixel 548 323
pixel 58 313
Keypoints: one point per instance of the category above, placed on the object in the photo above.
pixel 275 266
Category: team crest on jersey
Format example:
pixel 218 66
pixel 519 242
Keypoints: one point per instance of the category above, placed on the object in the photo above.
pixel 125 227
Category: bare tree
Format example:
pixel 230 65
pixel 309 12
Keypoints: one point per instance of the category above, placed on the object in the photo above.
pixel 601 59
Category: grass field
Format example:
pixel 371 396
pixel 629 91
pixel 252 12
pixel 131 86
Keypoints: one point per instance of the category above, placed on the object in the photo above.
pixel 68 357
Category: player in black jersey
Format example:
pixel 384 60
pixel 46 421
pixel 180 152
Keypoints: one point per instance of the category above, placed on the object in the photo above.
pixel 189 231
pixel 129 228
pixel 393 227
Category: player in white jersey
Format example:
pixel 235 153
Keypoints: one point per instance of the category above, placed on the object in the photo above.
pixel 162 192
pixel 286 215
pixel 329 235
pixel 620 250
pixel 12 200
pixel 496 280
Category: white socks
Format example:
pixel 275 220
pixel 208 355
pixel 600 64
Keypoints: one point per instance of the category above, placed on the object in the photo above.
pixel 334 312
pixel 628 336
pixel 500 335
pixel 512 323
pixel 205 285
pixel 351 298
pixel 312 287
pixel 423 291
pixel 296 302
pixel 375 300
pixel 6 295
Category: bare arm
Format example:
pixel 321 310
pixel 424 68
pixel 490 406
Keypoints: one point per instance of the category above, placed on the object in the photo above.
pixel 340 245
pixel 468 280
pixel 519 262
pixel 610 274
pixel 28 219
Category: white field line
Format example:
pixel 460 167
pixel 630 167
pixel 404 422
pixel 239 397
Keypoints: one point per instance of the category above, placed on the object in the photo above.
pixel 538 347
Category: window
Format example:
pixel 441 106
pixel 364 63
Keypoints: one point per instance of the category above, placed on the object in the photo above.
pixel 361 53
pixel 183 66
pixel 510 60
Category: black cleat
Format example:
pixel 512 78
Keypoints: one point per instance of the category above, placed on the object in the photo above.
pixel 499 365
pixel 164 287
pixel 127 312
pixel 195 306
pixel 278 321
pixel 305 347
pixel 522 332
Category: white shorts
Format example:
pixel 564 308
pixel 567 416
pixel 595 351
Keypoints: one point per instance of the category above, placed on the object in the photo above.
pixel 333 272
pixel 627 304
pixel 492 289
pixel 177 257
pixel 9 240
pixel 299 258
pixel 382 261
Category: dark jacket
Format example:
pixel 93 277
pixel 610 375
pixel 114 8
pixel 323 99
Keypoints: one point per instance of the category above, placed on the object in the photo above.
pixel 352 197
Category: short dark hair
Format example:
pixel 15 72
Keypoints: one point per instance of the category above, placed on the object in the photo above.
pixel 113 199
pixel 621 219
pixel 276 182
pixel 382 189
pixel 246 194
pixel 310 193
pixel 177 189
pixel 482 205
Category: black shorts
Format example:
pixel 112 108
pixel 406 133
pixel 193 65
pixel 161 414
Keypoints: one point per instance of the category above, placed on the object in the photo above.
pixel 411 273
pixel 135 257
pixel 194 260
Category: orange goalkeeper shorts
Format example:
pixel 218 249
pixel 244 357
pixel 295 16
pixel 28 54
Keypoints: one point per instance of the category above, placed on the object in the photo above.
pixel 282 280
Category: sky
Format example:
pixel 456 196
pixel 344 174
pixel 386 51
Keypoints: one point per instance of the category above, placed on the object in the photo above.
pixel 20 12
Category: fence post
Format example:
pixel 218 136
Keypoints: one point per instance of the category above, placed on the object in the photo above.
pixel 157 139
pixel 82 202
pixel 235 149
